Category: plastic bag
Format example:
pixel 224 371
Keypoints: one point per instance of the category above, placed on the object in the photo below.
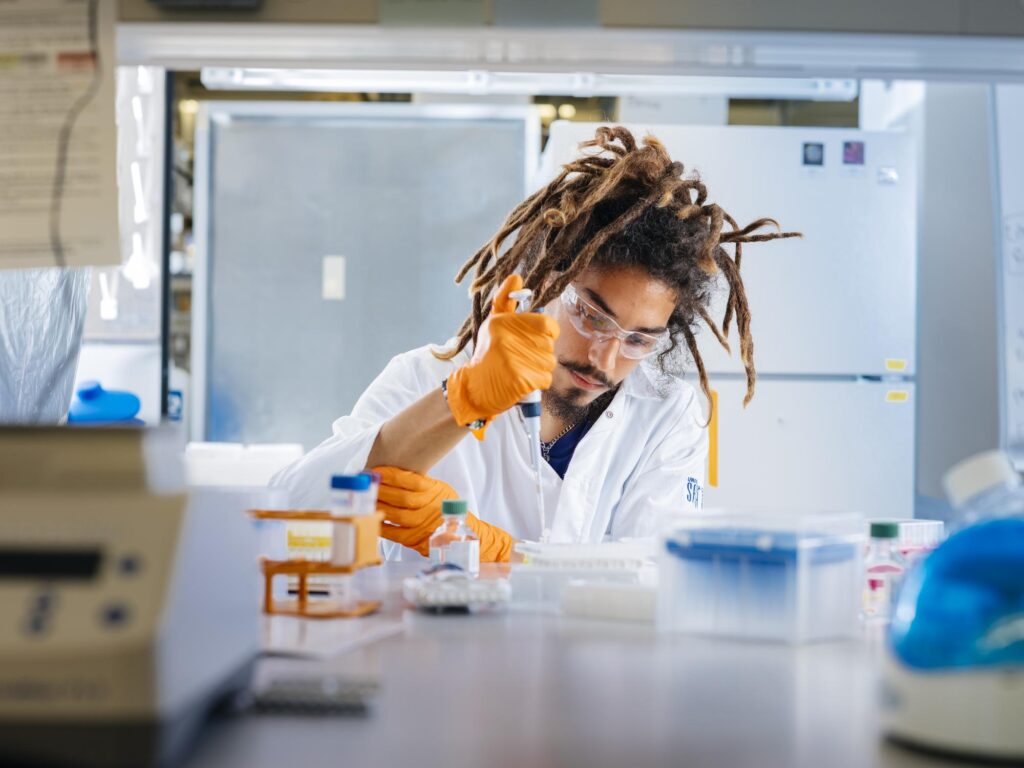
pixel 42 316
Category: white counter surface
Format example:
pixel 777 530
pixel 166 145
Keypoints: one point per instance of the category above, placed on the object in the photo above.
pixel 527 690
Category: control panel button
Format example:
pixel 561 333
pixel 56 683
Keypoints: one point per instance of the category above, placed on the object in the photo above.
pixel 129 565
pixel 37 624
pixel 115 614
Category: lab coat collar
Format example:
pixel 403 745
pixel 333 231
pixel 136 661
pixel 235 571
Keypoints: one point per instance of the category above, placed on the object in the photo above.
pixel 647 382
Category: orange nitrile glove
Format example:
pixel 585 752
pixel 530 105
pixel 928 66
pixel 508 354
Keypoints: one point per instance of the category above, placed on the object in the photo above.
pixel 411 504
pixel 514 355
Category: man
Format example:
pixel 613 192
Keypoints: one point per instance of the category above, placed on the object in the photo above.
pixel 622 252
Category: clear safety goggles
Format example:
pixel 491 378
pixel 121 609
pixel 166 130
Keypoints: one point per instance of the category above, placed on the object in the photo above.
pixel 592 323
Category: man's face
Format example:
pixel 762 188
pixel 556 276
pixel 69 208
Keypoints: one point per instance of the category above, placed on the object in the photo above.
pixel 589 367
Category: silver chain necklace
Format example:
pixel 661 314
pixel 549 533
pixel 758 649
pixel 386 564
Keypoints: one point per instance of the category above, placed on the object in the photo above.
pixel 545 447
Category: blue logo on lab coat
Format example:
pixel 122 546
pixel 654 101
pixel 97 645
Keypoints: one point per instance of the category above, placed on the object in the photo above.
pixel 693 491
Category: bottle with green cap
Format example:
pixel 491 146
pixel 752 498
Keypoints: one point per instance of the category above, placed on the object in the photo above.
pixel 884 566
pixel 454 542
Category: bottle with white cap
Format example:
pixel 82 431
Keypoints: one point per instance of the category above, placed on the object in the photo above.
pixel 985 485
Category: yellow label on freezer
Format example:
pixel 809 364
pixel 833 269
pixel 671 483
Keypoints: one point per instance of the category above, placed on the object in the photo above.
pixel 895 364
pixel 897 396
pixel 713 442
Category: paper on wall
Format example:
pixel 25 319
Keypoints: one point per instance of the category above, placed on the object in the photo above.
pixel 57 78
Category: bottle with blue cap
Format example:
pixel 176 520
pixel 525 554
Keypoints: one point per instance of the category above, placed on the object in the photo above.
pixel 349 494
pixel 454 542
pixel 350 497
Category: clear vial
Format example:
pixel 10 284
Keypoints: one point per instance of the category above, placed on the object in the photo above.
pixel 884 567
pixel 454 542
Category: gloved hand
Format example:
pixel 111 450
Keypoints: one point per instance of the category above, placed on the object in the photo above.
pixel 411 504
pixel 514 355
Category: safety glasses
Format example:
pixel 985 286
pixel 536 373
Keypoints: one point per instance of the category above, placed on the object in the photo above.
pixel 592 323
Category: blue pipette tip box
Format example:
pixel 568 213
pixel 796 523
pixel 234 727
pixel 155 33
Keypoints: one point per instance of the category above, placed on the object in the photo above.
pixel 759 576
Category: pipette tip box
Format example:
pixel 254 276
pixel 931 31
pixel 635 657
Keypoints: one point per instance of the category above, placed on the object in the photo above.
pixel 791 579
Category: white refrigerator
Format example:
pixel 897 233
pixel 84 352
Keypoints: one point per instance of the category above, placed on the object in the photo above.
pixel 831 426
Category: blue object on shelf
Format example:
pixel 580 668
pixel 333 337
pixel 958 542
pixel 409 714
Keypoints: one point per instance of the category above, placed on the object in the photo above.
pixel 93 404
pixel 963 606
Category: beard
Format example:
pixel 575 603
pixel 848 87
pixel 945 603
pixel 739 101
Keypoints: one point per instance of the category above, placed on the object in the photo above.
pixel 571 405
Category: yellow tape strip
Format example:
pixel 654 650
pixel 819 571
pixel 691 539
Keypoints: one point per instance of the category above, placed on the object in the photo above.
pixel 897 396
pixel 713 442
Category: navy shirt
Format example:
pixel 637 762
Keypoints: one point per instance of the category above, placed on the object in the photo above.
pixel 561 452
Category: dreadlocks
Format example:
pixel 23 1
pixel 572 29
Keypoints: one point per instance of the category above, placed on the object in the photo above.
pixel 624 205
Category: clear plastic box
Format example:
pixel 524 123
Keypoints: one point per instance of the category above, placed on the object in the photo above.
pixel 540 588
pixel 539 582
pixel 919 537
pixel 791 579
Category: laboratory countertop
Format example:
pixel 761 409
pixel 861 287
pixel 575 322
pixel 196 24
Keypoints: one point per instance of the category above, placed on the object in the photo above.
pixel 524 689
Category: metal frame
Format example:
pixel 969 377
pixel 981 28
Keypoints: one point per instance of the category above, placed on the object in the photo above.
pixel 608 50
pixel 217 111
pixel 1013 449
pixel 997 213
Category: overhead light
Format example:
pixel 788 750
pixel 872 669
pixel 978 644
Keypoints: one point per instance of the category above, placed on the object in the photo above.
pixel 138 269
pixel 547 111
pixel 480 82
pixel 139 212
pixel 567 111
pixel 144 79
pixel 108 296
pixel 141 139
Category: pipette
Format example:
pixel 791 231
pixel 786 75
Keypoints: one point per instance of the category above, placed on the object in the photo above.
pixel 530 408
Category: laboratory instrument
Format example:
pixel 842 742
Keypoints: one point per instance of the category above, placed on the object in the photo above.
pixel 791 579
pixel 615 602
pixel 613 555
pixel 954 666
pixel 539 582
pixel 530 409
pixel 129 608
pixel 883 566
pixel 324 540
pixel 302 570
pixel 953 671
pixel 455 542
pixel 447 587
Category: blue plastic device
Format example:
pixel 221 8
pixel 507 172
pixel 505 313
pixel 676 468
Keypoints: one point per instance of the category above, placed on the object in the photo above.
pixel 93 404
pixel 963 607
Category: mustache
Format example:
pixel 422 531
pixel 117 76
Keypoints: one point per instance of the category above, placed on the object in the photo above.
pixel 588 371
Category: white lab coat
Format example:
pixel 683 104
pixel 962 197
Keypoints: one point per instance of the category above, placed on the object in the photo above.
pixel 642 463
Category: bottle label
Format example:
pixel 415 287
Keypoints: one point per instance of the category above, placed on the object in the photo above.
pixel 881 583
